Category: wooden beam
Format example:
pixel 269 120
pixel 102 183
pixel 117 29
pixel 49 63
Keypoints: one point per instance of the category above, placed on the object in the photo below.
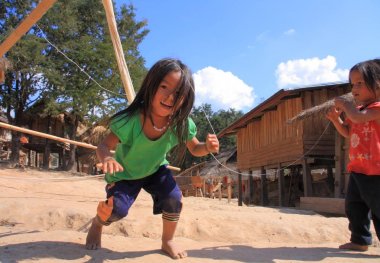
pixel 60 139
pixel 251 188
pixel 25 25
pixel 120 59
pixel 229 189
pixel 339 161
pixel 281 186
pixel 264 189
pixel 240 189
pixel 323 205
pixel 307 187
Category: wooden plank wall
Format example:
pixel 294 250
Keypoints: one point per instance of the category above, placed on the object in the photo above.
pixel 39 124
pixel 319 133
pixel 270 139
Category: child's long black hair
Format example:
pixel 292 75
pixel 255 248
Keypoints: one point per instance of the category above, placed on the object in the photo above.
pixel 185 95
pixel 370 70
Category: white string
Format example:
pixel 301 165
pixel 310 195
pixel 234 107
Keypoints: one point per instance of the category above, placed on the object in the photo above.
pixel 81 69
pixel 56 179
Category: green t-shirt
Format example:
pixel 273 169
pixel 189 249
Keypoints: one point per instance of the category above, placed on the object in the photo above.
pixel 140 156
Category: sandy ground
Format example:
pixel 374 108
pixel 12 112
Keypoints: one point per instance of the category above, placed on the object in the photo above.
pixel 44 217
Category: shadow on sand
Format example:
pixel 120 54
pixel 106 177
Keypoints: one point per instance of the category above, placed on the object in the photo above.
pixel 66 251
pixel 243 253
pixel 239 253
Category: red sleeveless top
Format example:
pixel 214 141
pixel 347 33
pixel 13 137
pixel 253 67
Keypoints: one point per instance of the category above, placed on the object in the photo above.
pixel 364 151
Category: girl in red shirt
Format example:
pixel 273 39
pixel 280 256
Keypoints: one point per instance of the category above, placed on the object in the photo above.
pixel 362 126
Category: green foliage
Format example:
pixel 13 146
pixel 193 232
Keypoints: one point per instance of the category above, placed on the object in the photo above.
pixel 80 30
pixel 40 73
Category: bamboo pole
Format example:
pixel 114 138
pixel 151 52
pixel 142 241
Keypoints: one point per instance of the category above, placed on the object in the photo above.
pixel 60 139
pixel 25 25
pixel 45 135
pixel 123 68
pixel 120 59
pixel 22 28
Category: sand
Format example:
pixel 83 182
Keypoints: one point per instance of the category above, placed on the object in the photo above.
pixel 45 216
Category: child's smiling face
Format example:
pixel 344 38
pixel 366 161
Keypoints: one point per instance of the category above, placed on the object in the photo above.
pixel 164 99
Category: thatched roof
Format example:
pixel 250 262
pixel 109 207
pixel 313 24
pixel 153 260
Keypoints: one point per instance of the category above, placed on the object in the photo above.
pixel 3 118
pixel 92 136
pixel 5 64
pixel 214 167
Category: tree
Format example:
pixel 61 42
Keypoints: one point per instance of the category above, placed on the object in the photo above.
pixel 79 29
pixel 22 85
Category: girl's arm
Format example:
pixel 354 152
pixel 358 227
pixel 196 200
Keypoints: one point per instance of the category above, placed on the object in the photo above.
pixel 334 116
pixel 355 115
pixel 196 148
pixel 109 164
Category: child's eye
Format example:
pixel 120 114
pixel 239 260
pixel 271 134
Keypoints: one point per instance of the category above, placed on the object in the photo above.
pixel 357 84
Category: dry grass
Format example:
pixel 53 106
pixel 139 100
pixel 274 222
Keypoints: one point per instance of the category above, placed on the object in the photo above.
pixel 321 109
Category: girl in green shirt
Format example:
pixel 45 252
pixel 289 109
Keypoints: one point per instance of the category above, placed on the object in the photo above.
pixel 142 135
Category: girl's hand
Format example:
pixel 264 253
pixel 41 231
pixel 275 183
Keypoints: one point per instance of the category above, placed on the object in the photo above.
pixel 212 143
pixel 110 165
pixel 333 114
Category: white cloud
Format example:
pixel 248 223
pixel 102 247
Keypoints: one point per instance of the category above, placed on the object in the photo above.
pixel 290 32
pixel 262 36
pixel 222 90
pixel 304 72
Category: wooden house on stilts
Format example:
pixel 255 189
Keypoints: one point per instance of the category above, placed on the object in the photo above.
pixel 290 154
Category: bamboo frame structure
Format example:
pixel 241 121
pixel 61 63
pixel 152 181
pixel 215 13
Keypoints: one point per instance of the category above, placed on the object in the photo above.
pixel 60 139
pixel 24 27
pixel 123 68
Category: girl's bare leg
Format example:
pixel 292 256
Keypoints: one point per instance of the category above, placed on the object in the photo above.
pixel 168 244
pixel 94 236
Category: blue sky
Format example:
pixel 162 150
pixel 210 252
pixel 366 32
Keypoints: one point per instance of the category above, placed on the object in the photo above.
pixel 243 51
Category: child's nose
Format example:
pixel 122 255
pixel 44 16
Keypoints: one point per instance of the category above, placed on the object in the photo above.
pixel 171 96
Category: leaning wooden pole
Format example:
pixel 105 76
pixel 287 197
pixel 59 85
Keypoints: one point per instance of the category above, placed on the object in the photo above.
pixel 45 135
pixel 22 28
pixel 123 68
pixel 56 138
pixel 25 25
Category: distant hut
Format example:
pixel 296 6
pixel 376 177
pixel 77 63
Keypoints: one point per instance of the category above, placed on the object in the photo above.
pixel 214 172
pixel 4 66
pixel 87 157
pixel 44 152
pixel 5 139
pixel 266 144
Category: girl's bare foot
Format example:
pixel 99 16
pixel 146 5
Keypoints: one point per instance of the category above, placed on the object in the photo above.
pixel 172 250
pixel 94 236
pixel 353 246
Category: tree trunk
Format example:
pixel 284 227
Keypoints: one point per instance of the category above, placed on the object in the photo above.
pixel 71 132
pixel 46 160
pixel 15 149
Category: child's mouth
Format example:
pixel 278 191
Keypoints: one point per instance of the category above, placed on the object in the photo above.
pixel 166 105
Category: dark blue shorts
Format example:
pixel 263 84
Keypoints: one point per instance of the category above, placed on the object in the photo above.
pixel 122 194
